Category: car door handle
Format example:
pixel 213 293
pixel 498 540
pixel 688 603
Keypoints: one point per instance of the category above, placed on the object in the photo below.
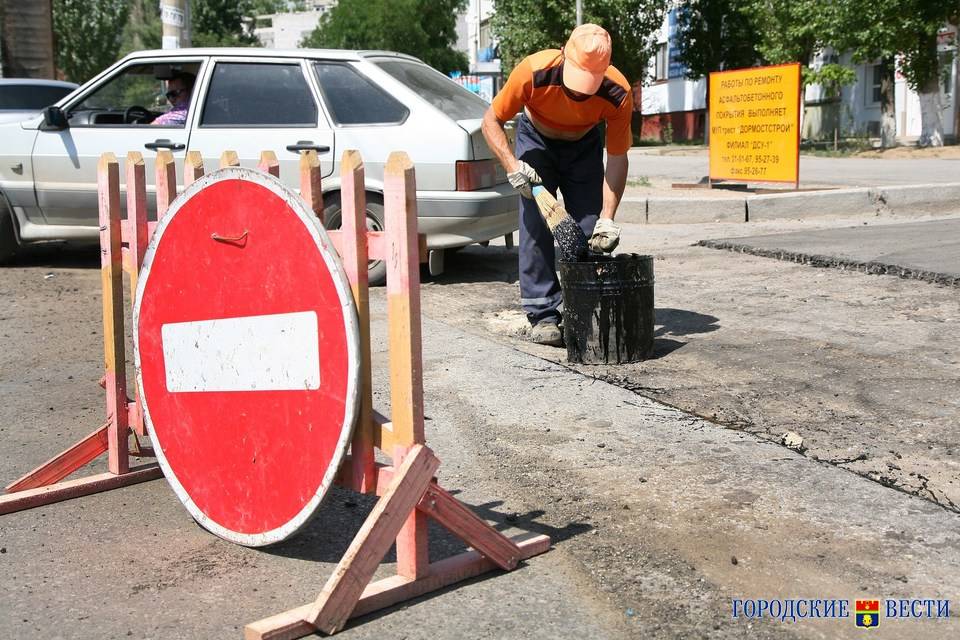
pixel 307 145
pixel 164 143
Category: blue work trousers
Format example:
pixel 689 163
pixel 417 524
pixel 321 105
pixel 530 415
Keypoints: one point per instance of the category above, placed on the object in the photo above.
pixel 576 169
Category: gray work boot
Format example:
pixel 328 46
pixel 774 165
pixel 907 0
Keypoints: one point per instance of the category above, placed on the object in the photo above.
pixel 546 332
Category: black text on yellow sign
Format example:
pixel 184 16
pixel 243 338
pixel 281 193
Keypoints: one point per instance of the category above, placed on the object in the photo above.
pixel 755 124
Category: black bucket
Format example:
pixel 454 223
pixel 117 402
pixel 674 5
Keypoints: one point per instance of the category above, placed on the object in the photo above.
pixel 608 309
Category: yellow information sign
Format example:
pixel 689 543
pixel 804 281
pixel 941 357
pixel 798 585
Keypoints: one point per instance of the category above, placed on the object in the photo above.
pixel 755 124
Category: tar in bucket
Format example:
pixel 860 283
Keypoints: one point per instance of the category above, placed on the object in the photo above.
pixel 608 310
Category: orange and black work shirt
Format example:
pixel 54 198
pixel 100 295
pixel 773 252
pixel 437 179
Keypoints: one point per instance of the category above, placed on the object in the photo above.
pixel 537 84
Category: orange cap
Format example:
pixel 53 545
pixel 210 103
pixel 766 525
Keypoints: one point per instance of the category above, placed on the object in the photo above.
pixel 586 58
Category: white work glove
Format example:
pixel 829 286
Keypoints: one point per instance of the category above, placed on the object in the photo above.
pixel 605 237
pixel 523 179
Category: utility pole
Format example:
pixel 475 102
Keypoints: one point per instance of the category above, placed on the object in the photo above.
pixel 173 18
pixel 579 12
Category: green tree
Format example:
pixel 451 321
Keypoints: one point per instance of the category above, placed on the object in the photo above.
pixel 881 31
pixel 143 29
pixel 88 34
pixel 422 28
pixel 222 23
pixel 793 30
pixel 714 35
pixel 526 26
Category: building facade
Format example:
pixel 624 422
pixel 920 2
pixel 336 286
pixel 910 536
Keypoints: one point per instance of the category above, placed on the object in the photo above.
pixel 672 106
pixel 854 110
pixel 286 30
pixel 475 38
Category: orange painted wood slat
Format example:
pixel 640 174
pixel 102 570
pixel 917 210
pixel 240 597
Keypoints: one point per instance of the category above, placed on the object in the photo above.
pixel 311 189
pixel 136 183
pixel 137 240
pixel 269 163
pixel 135 415
pixel 69 489
pixel 406 368
pixel 413 542
pixel 339 596
pixel 166 181
pixel 111 276
pixel 292 624
pixel 353 252
pixel 229 158
pixel 457 518
pixel 64 463
pixel 192 168
pixel 403 300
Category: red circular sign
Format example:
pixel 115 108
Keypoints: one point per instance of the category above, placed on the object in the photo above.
pixel 247 358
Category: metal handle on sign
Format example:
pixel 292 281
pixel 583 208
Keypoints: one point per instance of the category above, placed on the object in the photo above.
pixel 239 241
pixel 307 145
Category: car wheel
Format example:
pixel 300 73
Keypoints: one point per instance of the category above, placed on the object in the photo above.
pixel 8 235
pixel 332 217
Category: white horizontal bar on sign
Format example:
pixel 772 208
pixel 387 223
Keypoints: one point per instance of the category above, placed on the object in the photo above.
pixel 278 352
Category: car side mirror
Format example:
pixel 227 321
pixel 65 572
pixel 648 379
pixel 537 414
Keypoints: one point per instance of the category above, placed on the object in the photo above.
pixel 54 119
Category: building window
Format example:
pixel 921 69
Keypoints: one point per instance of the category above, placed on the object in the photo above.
pixel 876 80
pixel 663 62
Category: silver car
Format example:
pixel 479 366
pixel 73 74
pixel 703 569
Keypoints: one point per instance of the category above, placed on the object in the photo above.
pixel 250 100
pixel 24 98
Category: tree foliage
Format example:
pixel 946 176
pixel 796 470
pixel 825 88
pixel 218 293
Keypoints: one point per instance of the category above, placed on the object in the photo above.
pixel 142 30
pixel 527 26
pixel 426 29
pixel 222 23
pixel 716 35
pixel 88 35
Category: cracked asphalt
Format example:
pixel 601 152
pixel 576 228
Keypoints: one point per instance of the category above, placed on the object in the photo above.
pixel 863 367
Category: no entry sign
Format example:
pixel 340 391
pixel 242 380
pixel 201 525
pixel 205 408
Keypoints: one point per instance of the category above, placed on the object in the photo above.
pixel 247 355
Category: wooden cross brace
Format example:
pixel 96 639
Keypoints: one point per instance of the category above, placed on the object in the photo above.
pixel 348 592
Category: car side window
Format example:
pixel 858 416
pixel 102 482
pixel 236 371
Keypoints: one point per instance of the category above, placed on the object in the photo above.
pixel 354 99
pixel 258 94
pixel 138 95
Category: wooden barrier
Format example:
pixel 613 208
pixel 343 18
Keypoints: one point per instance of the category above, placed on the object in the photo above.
pixel 408 493
pixel 122 246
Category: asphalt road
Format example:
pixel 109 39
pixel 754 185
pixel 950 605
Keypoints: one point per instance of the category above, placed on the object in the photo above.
pixel 851 172
pixel 664 484
pixel 926 250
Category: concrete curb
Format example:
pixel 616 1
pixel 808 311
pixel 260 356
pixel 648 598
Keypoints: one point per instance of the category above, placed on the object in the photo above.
pixel 916 198
pixel 807 204
pixel 900 200
pixel 699 210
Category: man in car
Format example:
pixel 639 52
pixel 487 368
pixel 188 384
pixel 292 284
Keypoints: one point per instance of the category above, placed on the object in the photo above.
pixel 179 90
pixel 565 95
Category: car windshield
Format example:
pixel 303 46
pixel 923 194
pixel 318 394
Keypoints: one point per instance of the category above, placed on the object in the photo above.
pixel 30 97
pixel 440 91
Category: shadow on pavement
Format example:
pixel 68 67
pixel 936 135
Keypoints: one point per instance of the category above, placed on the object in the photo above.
pixel 57 257
pixel 676 323
pixel 478 264
pixel 328 535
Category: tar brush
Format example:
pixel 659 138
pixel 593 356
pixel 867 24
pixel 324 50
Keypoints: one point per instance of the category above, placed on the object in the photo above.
pixel 571 240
